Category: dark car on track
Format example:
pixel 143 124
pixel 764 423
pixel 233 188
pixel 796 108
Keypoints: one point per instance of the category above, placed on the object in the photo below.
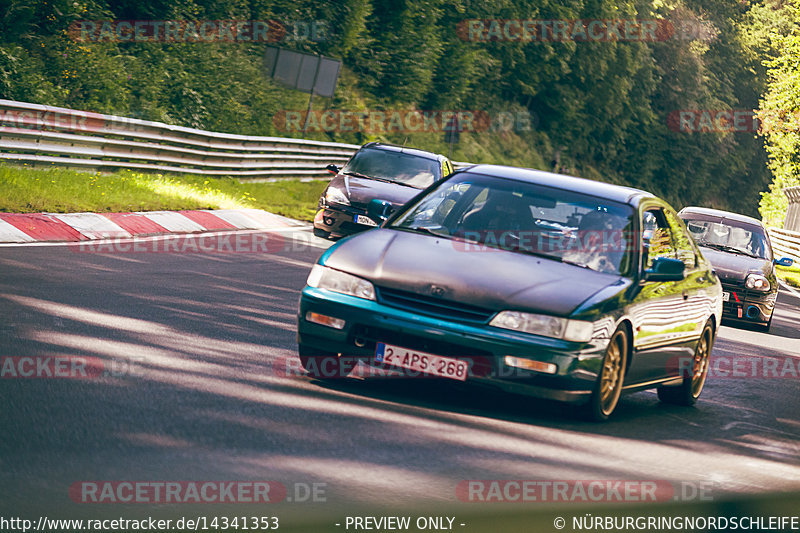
pixel 739 248
pixel 532 282
pixel 378 170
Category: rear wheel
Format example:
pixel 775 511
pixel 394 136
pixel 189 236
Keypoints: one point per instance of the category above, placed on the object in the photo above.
pixel 320 364
pixel 608 387
pixel 687 392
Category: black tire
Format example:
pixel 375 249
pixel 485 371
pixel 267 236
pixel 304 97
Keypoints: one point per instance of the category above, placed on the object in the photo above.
pixel 320 364
pixel 321 233
pixel 608 388
pixel 688 392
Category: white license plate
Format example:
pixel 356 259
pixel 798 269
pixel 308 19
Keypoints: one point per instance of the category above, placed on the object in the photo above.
pixel 365 220
pixel 426 363
pixel 726 296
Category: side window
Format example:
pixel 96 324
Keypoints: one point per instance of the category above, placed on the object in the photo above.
pixel 681 240
pixel 656 237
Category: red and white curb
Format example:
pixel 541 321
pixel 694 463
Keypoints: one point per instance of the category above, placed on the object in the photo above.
pixel 73 227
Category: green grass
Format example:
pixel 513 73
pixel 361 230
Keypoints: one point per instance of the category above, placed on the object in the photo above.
pixel 58 190
pixel 790 275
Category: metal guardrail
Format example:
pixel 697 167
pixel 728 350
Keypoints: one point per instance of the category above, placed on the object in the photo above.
pixel 785 243
pixel 56 136
pixel 46 135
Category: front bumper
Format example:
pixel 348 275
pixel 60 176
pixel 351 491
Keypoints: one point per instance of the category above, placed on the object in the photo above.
pixel 748 305
pixel 484 347
pixel 339 221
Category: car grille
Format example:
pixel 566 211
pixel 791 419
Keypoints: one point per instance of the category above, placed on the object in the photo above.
pixel 742 293
pixel 431 306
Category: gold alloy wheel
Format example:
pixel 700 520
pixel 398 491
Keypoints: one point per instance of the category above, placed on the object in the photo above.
pixel 612 373
pixel 700 363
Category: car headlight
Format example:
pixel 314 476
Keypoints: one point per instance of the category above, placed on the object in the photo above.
pixel 334 280
pixel 548 326
pixel 335 195
pixel 757 282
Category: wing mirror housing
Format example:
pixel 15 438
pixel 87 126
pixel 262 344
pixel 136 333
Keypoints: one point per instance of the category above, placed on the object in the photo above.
pixel 784 261
pixel 333 169
pixel 379 210
pixel 665 269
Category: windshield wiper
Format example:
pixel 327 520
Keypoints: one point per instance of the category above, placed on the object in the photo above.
pixel 358 175
pixel 387 180
pixel 730 249
pixel 421 229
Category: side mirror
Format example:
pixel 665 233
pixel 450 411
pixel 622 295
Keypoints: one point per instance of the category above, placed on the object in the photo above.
pixel 333 169
pixel 379 210
pixel 665 269
pixel 784 261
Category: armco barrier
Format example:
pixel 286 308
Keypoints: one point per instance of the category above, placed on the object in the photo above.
pixel 45 135
pixel 38 134
pixel 785 243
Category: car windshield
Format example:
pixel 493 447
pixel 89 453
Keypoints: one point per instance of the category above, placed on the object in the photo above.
pixel 730 236
pixel 489 212
pixel 398 167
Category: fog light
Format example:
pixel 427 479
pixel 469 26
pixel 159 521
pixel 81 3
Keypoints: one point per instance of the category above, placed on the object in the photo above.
pixel 325 320
pixel 528 364
pixel 328 221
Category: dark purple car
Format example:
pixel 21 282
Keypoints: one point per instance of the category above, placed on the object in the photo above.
pixel 392 173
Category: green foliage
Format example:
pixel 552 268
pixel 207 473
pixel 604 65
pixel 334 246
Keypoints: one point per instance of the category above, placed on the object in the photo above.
pixel 780 109
pixel 600 109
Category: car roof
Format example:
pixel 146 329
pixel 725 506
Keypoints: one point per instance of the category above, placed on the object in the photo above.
pixel 718 214
pixel 617 193
pixel 403 149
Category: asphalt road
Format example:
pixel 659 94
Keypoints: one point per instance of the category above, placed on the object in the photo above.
pixel 198 346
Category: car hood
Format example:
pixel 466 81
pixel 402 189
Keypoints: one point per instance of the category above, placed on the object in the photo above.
pixel 492 279
pixel 734 268
pixel 362 190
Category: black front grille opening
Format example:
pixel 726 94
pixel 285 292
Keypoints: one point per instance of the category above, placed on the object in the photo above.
pixel 373 335
pixel 432 306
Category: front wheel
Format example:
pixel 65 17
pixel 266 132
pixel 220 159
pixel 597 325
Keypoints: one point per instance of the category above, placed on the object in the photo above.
pixel 608 387
pixel 320 364
pixel 689 390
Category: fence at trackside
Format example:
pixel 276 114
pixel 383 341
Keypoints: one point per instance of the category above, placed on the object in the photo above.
pixel 785 243
pixel 42 135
